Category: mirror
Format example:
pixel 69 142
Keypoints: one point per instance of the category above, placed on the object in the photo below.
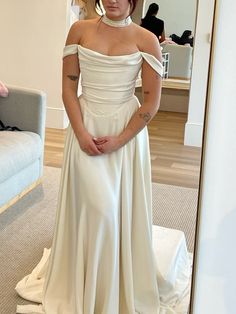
pixel 175 159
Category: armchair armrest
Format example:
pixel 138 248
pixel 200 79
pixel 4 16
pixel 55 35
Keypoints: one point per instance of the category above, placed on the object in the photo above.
pixel 24 108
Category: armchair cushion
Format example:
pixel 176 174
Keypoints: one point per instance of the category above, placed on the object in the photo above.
pixel 17 151
pixel 21 152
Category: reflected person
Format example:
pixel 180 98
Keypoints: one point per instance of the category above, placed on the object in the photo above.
pixel 154 24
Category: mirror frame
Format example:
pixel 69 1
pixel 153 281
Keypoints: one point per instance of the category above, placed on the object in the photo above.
pixel 204 135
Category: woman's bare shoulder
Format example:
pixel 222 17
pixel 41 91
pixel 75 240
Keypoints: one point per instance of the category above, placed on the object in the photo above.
pixel 147 41
pixel 78 29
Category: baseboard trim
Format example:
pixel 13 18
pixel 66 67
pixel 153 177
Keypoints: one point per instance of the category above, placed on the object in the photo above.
pixel 193 134
pixel 56 118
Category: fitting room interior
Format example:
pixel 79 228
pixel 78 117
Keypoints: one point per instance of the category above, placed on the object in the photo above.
pixel 176 130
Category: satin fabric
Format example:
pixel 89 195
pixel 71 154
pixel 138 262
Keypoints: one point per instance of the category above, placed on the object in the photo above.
pixel 102 261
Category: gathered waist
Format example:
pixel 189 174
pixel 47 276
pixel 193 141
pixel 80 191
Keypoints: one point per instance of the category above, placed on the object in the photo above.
pixel 115 93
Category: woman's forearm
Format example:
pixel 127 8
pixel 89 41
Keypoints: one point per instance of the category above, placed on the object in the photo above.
pixel 139 120
pixel 73 110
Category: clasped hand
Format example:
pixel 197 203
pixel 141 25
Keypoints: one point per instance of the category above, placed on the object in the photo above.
pixel 98 146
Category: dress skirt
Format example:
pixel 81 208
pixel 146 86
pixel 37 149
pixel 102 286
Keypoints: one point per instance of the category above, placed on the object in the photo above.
pixel 102 260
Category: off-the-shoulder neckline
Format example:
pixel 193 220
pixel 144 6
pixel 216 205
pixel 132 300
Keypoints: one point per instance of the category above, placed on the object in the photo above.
pixel 114 56
pixel 105 55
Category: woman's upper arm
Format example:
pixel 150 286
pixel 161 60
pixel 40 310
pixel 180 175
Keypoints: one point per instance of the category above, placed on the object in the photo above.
pixel 151 80
pixel 71 70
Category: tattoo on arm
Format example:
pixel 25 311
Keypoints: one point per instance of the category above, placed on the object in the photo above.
pixel 146 92
pixel 73 77
pixel 145 116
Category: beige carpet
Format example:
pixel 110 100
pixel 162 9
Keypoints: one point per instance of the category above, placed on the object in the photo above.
pixel 27 227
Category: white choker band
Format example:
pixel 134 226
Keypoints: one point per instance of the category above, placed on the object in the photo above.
pixel 122 23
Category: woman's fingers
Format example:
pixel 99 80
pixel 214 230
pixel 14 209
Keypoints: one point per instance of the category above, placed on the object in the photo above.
pixel 101 145
pixel 100 148
pixel 100 139
pixel 105 147
pixel 93 150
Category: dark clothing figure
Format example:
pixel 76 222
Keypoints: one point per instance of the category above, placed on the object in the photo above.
pixel 186 38
pixel 154 25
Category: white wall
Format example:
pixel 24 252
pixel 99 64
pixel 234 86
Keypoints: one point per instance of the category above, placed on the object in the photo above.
pixel 194 125
pixel 215 280
pixel 32 39
pixel 177 15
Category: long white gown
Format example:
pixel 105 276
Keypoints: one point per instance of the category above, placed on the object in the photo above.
pixel 101 261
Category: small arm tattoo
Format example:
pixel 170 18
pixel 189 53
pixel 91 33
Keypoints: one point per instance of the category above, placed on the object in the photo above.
pixel 145 116
pixel 73 77
pixel 146 92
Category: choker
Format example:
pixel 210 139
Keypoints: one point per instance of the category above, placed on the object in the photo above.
pixel 122 23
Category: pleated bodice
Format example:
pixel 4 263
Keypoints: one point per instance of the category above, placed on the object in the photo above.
pixel 107 79
pixel 113 78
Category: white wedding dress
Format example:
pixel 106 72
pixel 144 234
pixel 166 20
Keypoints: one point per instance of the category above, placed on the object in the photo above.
pixel 102 259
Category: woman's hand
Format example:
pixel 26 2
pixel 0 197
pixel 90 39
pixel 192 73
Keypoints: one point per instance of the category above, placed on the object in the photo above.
pixel 87 144
pixel 107 144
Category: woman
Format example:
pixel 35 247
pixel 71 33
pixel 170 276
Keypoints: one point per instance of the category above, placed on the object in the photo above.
pixel 154 24
pixel 101 259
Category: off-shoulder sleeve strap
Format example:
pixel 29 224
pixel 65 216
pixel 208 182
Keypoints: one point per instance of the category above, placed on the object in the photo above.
pixel 70 50
pixel 153 62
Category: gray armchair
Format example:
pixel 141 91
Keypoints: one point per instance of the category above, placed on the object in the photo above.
pixel 180 61
pixel 21 152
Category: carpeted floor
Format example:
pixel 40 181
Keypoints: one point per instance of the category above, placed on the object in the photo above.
pixel 27 227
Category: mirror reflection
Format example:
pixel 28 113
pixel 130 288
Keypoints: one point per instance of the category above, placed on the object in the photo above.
pixel 175 159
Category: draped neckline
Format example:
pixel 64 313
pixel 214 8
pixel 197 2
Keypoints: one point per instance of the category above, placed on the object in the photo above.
pixel 106 55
